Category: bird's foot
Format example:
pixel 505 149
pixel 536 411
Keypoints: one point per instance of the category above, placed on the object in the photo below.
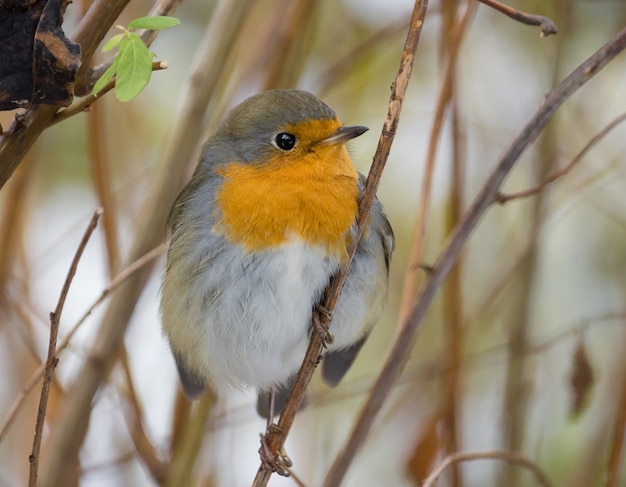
pixel 277 461
pixel 325 334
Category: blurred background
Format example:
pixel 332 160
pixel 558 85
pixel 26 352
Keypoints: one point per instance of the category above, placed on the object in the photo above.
pixel 523 348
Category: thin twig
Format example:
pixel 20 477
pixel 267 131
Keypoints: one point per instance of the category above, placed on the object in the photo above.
pixel 38 374
pixel 507 456
pixel 547 26
pixel 276 437
pixel 503 198
pixel 400 350
pixel 52 360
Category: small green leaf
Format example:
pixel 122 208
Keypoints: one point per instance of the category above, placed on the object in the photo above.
pixel 105 78
pixel 134 68
pixel 158 22
pixel 113 42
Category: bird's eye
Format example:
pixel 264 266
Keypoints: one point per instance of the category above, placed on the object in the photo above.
pixel 285 141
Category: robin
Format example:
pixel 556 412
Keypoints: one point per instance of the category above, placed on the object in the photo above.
pixel 257 234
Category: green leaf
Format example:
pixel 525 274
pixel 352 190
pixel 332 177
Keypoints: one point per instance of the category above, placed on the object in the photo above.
pixel 113 42
pixel 158 22
pixel 134 68
pixel 105 78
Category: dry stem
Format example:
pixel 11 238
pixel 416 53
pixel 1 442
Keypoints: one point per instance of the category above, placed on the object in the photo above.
pixel 52 360
pixel 496 454
pixel 504 198
pixel 547 26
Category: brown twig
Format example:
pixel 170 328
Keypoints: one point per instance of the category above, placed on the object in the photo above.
pixel 504 198
pixel 507 456
pixel 52 360
pixel 547 26
pixel 276 438
pixel 135 424
pixel 449 254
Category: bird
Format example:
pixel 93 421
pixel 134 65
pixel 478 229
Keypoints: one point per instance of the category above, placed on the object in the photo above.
pixel 256 236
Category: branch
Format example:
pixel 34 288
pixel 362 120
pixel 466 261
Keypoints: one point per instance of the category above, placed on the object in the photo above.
pixel 547 26
pixel 277 436
pixel 399 353
pixel 507 456
pixel 504 198
pixel 52 360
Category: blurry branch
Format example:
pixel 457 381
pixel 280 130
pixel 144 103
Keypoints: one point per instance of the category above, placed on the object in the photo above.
pixel 452 397
pixel 504 198
pixel 617 448
pixel 135 425
pixel 507 456
pixel 52 360
pixel 547 26
pixel 347 63
pixel 121 459
pixel 86 101
pixel 290 38
pixel 449 254
pixel 275 438
pixel 180 468
pixel 38 374
pixel 149 226
pixel 99 165
pixel 443 102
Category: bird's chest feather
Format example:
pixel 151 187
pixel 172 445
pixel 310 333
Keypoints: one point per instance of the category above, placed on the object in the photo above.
pixel 312 200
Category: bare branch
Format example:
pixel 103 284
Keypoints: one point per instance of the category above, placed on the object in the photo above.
pixel 52 359
pixel 547 26
pixel 503 198
pixel 507 456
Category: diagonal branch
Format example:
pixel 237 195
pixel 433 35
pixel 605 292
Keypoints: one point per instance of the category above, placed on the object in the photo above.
pixel 504 198
pixel 277 436
pixel 399 353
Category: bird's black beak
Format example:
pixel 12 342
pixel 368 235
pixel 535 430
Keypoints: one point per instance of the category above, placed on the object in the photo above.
pixel 344 134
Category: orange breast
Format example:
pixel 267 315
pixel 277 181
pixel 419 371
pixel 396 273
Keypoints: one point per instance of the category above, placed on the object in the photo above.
pixel 312 197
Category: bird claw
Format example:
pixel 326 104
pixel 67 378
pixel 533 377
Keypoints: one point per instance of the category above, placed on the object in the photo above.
pixel 276 461
pixel 325 334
